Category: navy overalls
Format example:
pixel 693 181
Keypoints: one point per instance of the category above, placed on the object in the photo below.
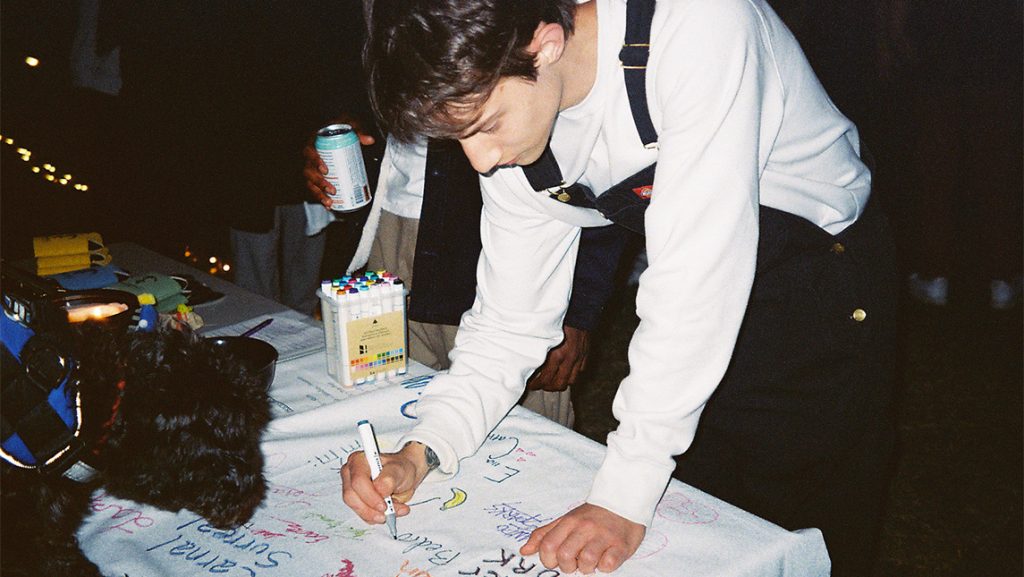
pixel 800 430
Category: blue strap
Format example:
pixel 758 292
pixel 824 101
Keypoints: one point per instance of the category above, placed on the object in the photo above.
pixel 40 419
pixel 544 174
pixel 636 49
pixel 14 335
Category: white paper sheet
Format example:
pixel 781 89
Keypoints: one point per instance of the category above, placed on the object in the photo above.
pixel 528 472
pixel 303 384
pixel 291 336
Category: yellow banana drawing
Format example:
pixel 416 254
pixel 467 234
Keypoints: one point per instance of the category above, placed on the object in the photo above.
pixel 458 498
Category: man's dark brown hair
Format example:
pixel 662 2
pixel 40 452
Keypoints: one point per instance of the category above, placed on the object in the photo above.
pixel 431 63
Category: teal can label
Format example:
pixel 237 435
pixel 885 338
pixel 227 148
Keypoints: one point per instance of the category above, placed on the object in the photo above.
pixel 338 146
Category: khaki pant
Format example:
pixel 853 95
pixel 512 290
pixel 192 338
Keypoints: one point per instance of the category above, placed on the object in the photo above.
pixel 393 250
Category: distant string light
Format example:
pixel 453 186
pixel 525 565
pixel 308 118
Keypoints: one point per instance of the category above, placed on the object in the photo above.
pixel 46 170
pixel 49 173
pixel 218 264
pixel 32 61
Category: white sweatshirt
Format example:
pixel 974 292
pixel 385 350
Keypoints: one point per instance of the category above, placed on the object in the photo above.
pixel 742 122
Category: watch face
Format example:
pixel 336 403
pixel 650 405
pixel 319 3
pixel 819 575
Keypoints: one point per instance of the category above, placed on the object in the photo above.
pixel 432 461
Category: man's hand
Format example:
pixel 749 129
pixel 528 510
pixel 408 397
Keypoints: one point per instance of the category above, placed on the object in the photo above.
pixel 402 473
pixel 586 539
pixel 315 170
pixel 564 362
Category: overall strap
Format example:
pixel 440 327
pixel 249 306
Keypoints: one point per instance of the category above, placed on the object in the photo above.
pixel 544 174
pixel 636 48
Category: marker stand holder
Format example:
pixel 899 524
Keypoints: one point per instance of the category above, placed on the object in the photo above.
pixel 364 327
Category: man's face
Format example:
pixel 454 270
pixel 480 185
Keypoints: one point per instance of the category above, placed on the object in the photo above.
pixel 514 124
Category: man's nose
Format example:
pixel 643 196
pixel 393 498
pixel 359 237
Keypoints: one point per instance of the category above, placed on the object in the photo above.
pixel 484 156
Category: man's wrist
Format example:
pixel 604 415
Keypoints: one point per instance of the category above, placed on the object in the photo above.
pixel 431 457
pixel 424 457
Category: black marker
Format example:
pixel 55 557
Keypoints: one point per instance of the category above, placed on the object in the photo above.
pixel 257 328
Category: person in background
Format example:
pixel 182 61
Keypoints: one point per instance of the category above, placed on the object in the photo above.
pixel 424 228
pixel 957 71
pixel 767 309
pixel 221 96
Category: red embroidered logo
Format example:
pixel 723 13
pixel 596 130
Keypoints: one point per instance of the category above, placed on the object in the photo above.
pixel 644 192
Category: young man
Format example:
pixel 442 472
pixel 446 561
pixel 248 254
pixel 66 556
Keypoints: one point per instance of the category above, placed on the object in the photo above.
pixel 437 257
pixel 766 309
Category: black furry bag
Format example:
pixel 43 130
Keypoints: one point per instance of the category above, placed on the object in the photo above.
pixel 167 419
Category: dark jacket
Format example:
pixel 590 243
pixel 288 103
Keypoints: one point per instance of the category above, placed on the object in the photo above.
pixel 448 248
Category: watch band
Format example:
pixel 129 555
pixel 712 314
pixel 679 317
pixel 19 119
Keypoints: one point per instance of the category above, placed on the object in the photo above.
pixel 432 461
pixel 429 456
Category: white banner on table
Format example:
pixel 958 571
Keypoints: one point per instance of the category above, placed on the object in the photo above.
pixel 303 384
pixel 528 472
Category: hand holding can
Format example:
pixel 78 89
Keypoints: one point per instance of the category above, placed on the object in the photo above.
pixel 339 149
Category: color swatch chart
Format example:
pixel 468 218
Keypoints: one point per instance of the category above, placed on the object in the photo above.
pixel 364 327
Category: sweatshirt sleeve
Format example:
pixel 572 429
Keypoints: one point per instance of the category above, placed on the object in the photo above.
pixel 523 282
pixel 702 231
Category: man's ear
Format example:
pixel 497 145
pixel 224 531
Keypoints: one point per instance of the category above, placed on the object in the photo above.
pixel 548 43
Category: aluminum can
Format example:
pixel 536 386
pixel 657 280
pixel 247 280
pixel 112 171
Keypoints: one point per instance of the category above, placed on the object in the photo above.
pixel 338 146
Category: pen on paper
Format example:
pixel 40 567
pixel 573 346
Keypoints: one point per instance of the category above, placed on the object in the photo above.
pixel 257 328
pixel 372 452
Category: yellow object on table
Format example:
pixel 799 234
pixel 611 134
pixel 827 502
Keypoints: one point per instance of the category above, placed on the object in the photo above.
pixel 69 252
pixel 50 265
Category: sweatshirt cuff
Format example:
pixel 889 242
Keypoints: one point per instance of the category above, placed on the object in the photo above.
pixel 629 488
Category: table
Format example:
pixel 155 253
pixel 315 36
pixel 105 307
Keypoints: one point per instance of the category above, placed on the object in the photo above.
pixel 529 470
pixel 238 304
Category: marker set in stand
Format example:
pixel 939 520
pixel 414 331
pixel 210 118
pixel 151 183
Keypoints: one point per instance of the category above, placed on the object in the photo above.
pixel 364 326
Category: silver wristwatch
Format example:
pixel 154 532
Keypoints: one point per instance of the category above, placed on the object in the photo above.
pixel 429 456
pixel 432 461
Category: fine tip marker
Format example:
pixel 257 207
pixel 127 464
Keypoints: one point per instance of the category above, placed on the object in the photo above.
pixel 258 327
pixel 372 452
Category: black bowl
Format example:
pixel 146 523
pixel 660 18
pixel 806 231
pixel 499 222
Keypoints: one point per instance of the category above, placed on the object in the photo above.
pixel 258 357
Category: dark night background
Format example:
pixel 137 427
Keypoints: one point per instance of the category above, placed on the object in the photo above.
pixel 220 96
